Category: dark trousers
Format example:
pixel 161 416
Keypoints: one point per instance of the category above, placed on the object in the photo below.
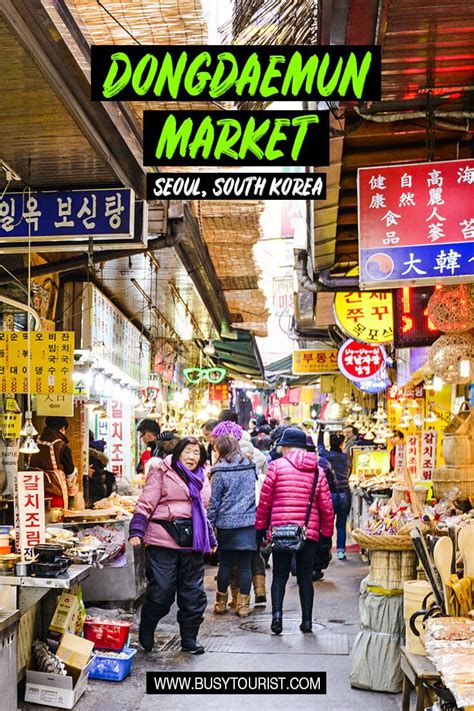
pixel 243 563
pixel 304 572
pixel 342 505
pixel 174 574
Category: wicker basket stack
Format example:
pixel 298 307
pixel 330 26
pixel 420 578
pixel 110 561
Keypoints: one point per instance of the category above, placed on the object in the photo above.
pixel 392 559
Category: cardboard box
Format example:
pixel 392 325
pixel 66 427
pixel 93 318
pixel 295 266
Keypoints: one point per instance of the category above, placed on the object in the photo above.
pixel 61 692
pixel 75 653
pixel 65 615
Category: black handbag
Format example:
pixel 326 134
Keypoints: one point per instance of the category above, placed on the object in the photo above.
pixel 180 530
pixel 291 537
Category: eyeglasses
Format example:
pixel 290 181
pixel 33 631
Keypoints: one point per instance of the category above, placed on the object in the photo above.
pixel 212 375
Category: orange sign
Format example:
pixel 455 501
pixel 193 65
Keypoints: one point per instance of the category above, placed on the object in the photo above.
pixel 308 362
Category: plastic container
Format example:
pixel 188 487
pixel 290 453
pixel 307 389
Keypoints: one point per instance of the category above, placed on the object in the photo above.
pixel 112 668
pixel 414 592
pixel 5 550
pixel 107 634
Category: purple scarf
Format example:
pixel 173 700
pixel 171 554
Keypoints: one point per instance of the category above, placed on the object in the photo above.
pixel 203 535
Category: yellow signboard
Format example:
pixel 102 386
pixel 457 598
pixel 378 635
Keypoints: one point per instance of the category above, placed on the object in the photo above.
pixel 369 463
pixel 51 362
pixel 365 315
pixel 10 425
pixel 55 404
pixel 309 362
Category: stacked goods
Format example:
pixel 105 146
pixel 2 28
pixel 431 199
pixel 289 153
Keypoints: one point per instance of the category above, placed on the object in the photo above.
pixel 123 505
pixel 450 646
pixel 458 452
pixel 112 659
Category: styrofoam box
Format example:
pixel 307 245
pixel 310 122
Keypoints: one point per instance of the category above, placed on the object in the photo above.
pixel 54 690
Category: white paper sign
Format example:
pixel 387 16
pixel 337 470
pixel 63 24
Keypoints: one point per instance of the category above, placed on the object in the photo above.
pixel 29 512
pixel 412 455
pixel 428 453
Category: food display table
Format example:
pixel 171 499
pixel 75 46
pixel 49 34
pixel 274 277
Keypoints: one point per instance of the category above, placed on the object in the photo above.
pixel 416 669
pixel 35 600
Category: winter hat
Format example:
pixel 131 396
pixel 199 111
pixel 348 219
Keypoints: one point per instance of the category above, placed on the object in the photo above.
pixel 166 436
pixel 149 425
pixel 293 437
pixel 227 427
pixel 99 445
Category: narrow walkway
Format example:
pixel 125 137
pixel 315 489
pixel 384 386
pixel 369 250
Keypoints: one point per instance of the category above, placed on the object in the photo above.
pixel 247 645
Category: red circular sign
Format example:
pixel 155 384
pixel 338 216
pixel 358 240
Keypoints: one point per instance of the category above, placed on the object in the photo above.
pixel 360 361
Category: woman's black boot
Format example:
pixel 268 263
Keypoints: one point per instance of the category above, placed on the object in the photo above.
pixel 277 623
pixel 306 626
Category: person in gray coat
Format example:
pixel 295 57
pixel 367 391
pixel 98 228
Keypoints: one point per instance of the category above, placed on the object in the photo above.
pixel 232 512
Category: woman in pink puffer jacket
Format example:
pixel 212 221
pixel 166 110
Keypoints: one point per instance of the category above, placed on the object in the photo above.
pixel 284 499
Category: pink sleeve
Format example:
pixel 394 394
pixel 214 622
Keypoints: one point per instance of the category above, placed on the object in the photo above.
pixel 262 520
pixel 151 494
pixel 325 507
pixel 206 491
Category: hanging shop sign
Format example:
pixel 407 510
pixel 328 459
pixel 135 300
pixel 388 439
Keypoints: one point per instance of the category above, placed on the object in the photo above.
pixel 283 289
pixel 10 425
pixel 116 429
pixel 309 362
pixel 399 459
pixel 219 392
pixel 428 453
pixel 29 512
pixel 360 361
pixel 412 325
pixel 111 336
pixel 71 216
pixel 212 375
pixel 365 316
pixel 416 223
pixel 50 367
pixel 377 384
pixel 370 463
pixel 412 455
pixel 55 404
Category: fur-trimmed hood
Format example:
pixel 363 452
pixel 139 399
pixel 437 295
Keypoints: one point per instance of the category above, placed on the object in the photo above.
pixel 95 454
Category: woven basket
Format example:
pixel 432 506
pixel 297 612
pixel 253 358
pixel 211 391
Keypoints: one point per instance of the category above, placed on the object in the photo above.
pixel 400 542
pixel 390 569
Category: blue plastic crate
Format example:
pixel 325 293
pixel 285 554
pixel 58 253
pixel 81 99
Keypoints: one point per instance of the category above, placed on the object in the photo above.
pixel 109 668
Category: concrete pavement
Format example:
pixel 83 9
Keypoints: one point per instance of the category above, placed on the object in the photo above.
pixel 234 645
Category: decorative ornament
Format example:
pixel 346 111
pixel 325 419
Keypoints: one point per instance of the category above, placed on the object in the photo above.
pixel 451 308
pixel 447 353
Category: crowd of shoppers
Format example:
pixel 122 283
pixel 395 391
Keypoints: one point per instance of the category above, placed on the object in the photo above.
pixel 230 495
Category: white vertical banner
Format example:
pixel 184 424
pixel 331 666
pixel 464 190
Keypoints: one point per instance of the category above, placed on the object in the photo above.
pixel 412 455
pixel 399 459
pixel 429 440
pixel 30 524
pixel 119 442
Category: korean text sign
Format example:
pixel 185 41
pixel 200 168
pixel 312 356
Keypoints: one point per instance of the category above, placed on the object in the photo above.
pixel 78 214
pixel 416 223
pixel 309 361
pixel 51 362
pixel 360 361
pixel 29 512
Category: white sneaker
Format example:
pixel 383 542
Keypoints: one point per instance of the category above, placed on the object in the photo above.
pixel 341 555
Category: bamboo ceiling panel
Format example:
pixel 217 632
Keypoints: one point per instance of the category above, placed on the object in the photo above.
pixel 36 129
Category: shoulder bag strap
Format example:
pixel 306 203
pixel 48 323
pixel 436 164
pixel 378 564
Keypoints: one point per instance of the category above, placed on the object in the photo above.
pixel 313 491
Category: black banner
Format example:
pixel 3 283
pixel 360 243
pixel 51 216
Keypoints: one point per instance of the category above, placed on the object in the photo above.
pixel 235 72
pixel 236 683
pixel 243 138
pixel 236 186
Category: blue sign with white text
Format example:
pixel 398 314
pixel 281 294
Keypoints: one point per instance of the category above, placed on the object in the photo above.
pixel 417 264
pixel 74 215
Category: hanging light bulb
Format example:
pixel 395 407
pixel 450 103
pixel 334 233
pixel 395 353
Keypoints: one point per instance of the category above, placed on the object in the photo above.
pixel 437 383
pixel 406 415
pixel 413 405
pixel 357 407
pixel 28 429
pixel 379 439
pixel 346 400
pixel 209 348
pixel 29 446
pixel 314 413
pixel 432 416
pixel 99 382
pixel 369 435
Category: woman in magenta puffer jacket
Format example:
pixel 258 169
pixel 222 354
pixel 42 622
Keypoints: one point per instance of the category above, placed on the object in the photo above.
pixel 284 499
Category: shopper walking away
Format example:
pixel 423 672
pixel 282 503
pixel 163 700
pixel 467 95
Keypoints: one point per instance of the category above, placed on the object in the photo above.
pixel 339 486
pixel 285 498
pixel 55 460
pixel 148 430
pixel 100 482
pixel 232 513
pixel 171 520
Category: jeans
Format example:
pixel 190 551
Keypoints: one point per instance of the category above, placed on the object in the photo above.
pixel 304 573
pixel 243 562
pixel 172 573
pixel 342 505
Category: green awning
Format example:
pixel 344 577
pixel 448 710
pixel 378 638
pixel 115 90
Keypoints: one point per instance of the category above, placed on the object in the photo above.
pixel 240 356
